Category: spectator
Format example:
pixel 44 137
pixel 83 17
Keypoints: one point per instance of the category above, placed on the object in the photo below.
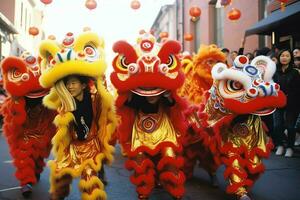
pixel 297 126
pixel 297 62
pixel 263 51
pixel 255 53
pixel 233 55
pixel 242 47
pixel 289 80
pixel 296 52
pixel 273 57
pixel 226 52
pixel 250 56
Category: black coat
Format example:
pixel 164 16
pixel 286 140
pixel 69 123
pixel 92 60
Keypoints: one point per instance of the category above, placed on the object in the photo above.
pixel 289 82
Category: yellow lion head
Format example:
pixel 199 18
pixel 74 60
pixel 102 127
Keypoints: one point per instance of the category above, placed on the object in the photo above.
pixel 83 55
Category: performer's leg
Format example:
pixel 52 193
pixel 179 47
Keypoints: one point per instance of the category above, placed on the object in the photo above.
pixel 60 187
pixel 143 176
pixel 190 154
pixel 238 177
pixel 171 175
pixel 91 186
pixel 25 168
pixel 102 176
pixel 39 166
pixel 255 168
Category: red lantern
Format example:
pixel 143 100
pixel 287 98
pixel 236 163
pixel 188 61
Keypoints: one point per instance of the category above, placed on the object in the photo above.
pixel 91 4
pixel 164 35
pixel 283 4
pixel 85 29
pixel 33 31
pixel 46 2
pixel 51 37
pixel 141 32
pixel 195 12
pixel 234 14
pixel 225 2
pixel 135 4
pixel 188 37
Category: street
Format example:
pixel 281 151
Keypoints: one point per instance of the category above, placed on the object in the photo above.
pixel 280 182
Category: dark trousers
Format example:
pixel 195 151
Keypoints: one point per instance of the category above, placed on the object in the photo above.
pixel 284 119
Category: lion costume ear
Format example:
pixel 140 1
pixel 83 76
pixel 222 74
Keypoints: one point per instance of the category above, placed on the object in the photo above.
pixel 88 38
pixel 48 49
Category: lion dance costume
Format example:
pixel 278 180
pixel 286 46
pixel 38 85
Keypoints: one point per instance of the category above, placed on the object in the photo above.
pixel 197 70
pixel 150 131
pixel 231 118
pixel 27 123
pixel 76 157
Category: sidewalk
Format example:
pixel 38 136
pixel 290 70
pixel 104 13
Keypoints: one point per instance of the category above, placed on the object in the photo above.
pixel 281 181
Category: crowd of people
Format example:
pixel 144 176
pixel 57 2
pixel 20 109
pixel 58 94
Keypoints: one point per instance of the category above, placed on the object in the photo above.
pixel 284 123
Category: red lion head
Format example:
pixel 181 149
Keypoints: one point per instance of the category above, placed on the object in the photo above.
pixel 21 76
pixel 147 68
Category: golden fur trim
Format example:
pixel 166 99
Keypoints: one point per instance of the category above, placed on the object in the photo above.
pixel 62 138
pixel 52 100
pixel 61 70
pixel 88 184
pixel 188 65
pixel 56 173
pixel 86 38
pixel 48 47
pixel 109 118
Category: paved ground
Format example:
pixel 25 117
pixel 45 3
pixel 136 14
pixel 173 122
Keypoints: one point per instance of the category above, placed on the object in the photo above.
pixel 281 181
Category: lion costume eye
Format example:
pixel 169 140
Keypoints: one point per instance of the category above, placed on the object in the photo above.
pixel 234 86
pixel 91 53
pixel 122 63
pixel 14 75
pixel 172 62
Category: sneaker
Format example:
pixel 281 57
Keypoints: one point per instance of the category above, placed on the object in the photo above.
pixel 213 180
pixel 289 152
pixel 279 151
pixel 26 190
pixel 297 141
pixel 245 197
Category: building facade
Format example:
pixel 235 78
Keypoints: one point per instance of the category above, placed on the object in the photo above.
pixel 280 24
pixel 214 27
pixel 17 16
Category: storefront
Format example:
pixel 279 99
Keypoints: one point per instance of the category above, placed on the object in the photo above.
pixel 6 36
pixel 281 25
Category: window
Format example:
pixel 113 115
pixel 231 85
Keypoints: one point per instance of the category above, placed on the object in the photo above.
pixel 21 21
pixel 25 27
pixel 197 34
pixel 219 26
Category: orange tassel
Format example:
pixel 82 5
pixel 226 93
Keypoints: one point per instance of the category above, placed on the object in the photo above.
pixel 282 6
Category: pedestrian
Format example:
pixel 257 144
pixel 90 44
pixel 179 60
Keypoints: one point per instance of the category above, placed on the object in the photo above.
pixel 250 56
pixel 289 80
pixel 226 52
pixel 273 57
pixel 297 126
pixel 233 55
pixel 86 119
pixel 296 52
